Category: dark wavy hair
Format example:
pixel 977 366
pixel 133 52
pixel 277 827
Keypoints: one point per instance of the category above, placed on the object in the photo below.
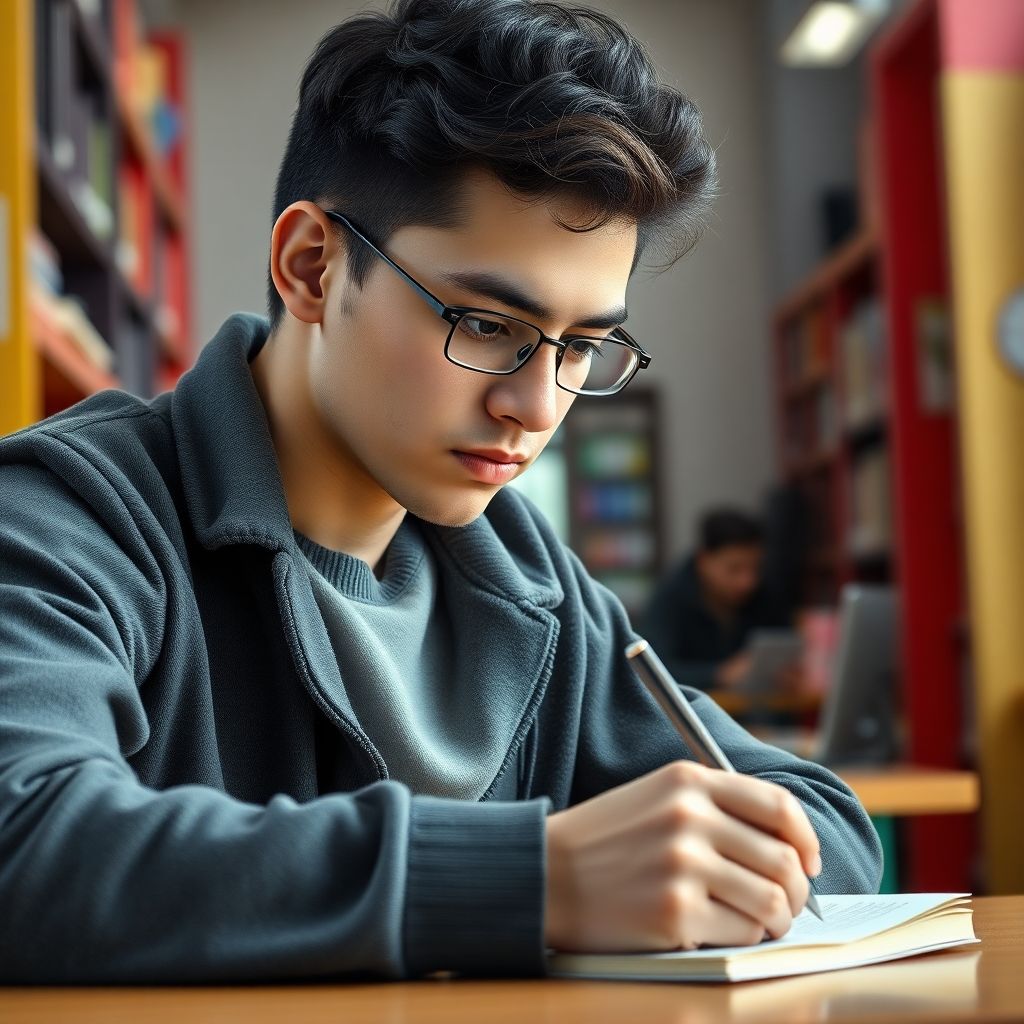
pixel 394 107
pixel 728 527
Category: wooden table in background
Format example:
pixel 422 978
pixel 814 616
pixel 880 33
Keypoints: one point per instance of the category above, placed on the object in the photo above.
pixel 895 790
pixel 901 789
pixel 979 983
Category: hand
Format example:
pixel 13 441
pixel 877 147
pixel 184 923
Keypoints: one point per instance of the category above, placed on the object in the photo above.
pixel 732 672
pixel 682 857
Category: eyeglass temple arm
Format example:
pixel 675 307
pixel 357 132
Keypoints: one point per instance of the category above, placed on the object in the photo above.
pixel 434 301
pixel 643 355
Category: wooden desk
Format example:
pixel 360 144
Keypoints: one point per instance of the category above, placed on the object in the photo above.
pixel 733 703
pixel 902 789
pixel 980 983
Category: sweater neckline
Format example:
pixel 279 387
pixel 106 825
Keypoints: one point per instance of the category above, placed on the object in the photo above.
pixel 354 578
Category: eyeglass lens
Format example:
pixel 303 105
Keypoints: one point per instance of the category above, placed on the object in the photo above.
pixel 493 343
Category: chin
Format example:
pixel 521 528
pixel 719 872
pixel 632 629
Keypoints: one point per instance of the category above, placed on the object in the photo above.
pixel 458 511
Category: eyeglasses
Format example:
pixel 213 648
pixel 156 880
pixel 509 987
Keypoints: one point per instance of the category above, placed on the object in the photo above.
pixel 489 342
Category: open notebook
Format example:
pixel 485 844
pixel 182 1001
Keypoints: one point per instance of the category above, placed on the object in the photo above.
pixel 856 930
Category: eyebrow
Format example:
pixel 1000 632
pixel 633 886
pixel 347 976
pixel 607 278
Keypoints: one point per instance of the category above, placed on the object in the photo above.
pixel 493 286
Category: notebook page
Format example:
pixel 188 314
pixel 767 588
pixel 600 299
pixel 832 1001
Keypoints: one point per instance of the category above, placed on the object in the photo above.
pixel 847 918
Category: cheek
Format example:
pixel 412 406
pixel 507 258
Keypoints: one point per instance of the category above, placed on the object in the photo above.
pixel 386 380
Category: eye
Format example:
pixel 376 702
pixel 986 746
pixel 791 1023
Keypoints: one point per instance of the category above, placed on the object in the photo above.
pixel 581 349
pixel 482 329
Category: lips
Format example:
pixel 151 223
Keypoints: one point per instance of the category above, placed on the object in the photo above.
pixel 490 465
pixel 495 455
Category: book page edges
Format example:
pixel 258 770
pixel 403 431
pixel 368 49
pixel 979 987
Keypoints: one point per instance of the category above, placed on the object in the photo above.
pixel 941 928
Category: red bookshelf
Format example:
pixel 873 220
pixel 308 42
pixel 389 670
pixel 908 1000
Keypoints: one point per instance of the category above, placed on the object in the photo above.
pixel 905 79
pixel 867 422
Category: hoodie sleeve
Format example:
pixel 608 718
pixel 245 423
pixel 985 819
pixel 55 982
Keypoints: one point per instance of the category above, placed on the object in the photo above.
pixel 104 879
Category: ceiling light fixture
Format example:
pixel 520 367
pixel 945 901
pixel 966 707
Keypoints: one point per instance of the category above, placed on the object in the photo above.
pixel 831 32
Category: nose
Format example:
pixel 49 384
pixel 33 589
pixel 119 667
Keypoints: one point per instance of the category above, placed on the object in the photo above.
pixel 529 396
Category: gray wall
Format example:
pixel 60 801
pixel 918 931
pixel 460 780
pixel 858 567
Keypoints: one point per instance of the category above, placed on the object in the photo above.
pixel 812 117
pixel 706 320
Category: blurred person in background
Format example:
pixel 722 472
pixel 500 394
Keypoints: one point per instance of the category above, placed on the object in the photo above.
pixel 704 612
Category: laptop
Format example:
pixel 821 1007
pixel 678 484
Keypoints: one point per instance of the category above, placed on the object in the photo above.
pixel 860 714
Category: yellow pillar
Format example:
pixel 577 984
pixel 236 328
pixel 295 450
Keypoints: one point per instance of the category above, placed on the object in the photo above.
pixel 984 140
pixel 20 386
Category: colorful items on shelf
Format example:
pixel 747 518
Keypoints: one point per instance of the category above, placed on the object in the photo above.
pixel 110 135
pixel 55 312
pixel 615 523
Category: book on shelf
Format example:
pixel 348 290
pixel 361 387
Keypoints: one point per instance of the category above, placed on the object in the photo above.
pixel 614 501
pixel 864 364
pixel 143 79
pixel 74 119
pixel 66 316
pixel 618 547
pixel 57 53
pixel 44 263
pixel 173 311
pixel 100 149
pixel 827 425
pixel 871 512
pixel 855 931
pixel 58 312
pixel 933 331
pixel 805 346
pixel 812 427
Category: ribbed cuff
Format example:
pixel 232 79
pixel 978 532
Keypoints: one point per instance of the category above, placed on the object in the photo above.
pixel 475 891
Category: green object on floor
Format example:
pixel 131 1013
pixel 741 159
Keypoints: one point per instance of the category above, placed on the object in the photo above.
pixel 886 829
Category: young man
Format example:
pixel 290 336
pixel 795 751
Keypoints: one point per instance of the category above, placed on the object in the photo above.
pixel 291 686
pixel 703 613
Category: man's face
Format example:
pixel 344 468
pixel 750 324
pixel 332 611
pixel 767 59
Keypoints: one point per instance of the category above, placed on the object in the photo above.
pixel 403 416
pixel 731 574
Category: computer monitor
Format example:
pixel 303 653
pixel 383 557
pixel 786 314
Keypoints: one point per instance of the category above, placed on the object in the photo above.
pixel 860 713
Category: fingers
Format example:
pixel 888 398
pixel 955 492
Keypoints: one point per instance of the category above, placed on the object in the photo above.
pixel 724 926
pixel 751 871
pixel 754 891
pixel 770 809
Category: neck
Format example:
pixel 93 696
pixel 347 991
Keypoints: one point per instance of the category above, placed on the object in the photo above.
pixel 332 499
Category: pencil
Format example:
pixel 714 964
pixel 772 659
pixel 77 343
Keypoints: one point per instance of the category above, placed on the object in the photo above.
pixel 665 690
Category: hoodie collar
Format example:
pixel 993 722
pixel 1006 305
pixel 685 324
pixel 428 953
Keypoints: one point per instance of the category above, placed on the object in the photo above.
pixel 235 495
pixel 229 470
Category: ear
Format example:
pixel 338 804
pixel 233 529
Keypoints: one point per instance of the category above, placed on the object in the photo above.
pixel 302 246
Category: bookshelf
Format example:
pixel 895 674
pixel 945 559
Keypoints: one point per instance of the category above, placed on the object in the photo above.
pixel 616 518
pixel 95 185
pixel 867 416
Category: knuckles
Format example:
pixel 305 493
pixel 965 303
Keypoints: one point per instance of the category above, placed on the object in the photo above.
pixel 683 859
pixel 683 774
pixel 685 809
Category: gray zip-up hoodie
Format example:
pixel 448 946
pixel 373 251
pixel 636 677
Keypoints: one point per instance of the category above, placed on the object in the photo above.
pixel 185 791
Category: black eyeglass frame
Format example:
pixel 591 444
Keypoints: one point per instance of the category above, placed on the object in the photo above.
pixel 453 314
